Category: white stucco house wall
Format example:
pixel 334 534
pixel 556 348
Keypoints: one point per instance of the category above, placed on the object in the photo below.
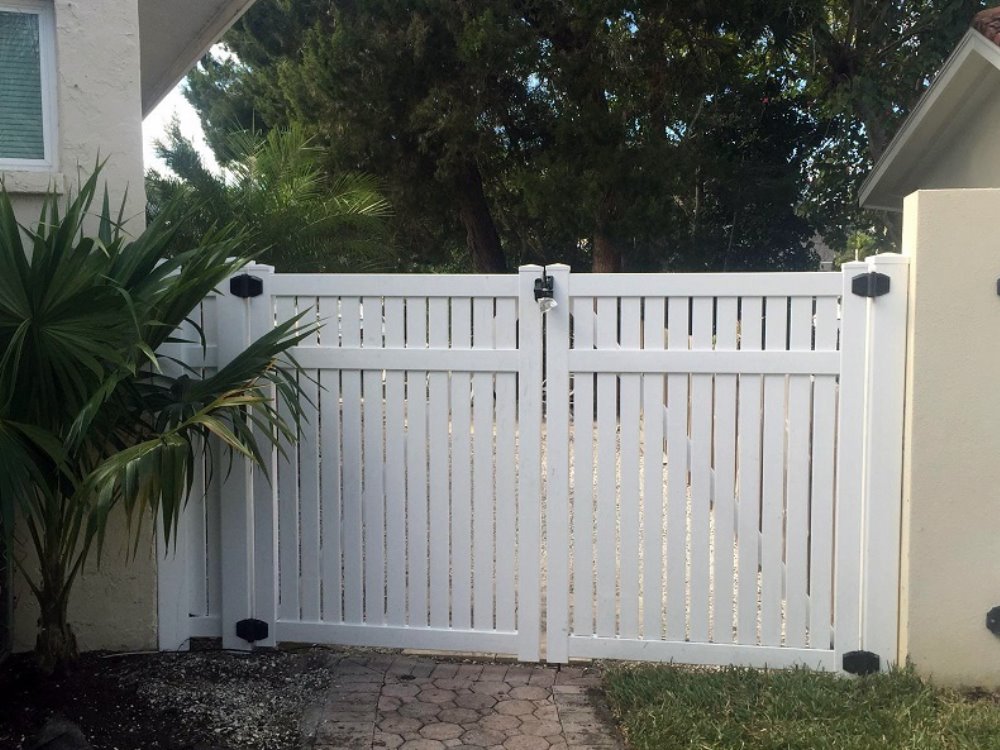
pixel 76 79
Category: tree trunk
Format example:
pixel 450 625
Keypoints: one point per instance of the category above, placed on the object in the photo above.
pixel 480 231
pixel 607 254
pixel 55 645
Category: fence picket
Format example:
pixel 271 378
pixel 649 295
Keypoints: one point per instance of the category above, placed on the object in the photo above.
pixel 678 321
pixel 438 438
pixel 797 513
pixel 607 479
pixel 701 541
pixel 354 571
pixel 749 416
pixel 289 574
pixel 823 463
pixel 461 471
pixel 772 571
pixel 631 391
pixel 506 492
pixel 652 489
pixel 416 468
pixel 483 419
pixel 583 474
pixel 724 468
pixel 395 456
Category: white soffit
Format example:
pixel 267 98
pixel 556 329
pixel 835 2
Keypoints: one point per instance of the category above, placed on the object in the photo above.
pixel 174 34
pixel 969 74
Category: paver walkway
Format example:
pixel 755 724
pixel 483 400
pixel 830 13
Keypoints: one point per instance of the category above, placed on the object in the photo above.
pixel 409 703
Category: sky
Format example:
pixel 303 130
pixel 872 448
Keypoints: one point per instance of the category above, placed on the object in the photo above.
pixel 155 125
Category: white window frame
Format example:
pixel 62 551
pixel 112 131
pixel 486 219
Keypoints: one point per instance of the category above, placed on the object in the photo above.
pixel 47 59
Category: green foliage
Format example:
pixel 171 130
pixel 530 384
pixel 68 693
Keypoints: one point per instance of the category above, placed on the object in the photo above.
pixel 618 133
pixel 294 214
pixel 670 707
pixel 91 417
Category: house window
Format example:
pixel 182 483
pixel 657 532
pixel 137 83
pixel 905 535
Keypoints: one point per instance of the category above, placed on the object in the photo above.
pixel 27 73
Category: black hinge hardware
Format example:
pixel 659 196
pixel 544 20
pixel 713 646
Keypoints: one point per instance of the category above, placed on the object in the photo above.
pixel 246 285
pixel 993 621
pixel 251 630
pixel 861 663
pixel 872 284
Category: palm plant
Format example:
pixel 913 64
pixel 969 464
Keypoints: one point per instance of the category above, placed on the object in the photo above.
pixel 302 218
pixel 90 418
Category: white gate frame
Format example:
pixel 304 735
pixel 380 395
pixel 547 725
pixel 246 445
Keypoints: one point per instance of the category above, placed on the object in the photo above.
pixel 868 478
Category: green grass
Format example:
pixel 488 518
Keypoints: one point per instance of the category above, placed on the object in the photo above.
pixel 671 708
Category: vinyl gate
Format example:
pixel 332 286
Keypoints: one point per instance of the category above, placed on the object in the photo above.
pixel 721 458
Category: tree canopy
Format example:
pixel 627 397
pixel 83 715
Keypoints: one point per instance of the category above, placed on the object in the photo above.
pixel 611 134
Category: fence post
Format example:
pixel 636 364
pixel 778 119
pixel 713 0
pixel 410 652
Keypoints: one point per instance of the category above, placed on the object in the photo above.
pixel 850 465
pixel 557 468
pixel 173 616
pixel 264 560
pixel 886 383
pixel 233 476
pixel 529 421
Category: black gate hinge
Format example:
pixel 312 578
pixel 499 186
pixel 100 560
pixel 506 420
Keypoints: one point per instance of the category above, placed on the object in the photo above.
pixel 246 285
pixel 861 663
pixel 251 630
pixel 872 284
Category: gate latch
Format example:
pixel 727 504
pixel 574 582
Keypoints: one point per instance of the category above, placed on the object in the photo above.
pixel 872 284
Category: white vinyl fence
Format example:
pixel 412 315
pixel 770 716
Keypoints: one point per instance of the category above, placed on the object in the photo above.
pixel 721 459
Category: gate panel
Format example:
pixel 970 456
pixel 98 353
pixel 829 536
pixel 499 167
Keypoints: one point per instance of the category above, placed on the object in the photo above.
pixel 700 466
pixel 397 508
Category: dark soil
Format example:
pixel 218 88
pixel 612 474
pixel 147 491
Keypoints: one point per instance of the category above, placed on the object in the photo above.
pixel 187 701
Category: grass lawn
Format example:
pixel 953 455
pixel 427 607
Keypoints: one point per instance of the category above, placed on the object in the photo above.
pixel 661 707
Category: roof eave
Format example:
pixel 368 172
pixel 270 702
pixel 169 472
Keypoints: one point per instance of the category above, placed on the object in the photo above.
pixel 874 193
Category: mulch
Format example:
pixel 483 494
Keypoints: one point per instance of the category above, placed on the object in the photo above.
pixel 209 700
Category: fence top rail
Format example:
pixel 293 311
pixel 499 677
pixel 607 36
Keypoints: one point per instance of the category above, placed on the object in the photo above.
pixel 394 285
pixel 781 284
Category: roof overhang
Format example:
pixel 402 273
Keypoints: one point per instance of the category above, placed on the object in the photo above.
pixel 968 77
pixel 174 35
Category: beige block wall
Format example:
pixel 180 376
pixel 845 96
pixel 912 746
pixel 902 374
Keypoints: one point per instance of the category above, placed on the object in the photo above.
pixel 99 114
pixel 951 484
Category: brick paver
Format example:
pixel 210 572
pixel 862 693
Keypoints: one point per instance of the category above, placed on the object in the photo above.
pixel 407 703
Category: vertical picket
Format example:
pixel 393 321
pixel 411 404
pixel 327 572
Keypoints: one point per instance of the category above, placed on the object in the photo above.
pixel 330 474
pixel 583 473
pixel 288 505
pixel 652 480
pixel 236 545
pixel 823 471
pixel 884 460
pixel 437 448
pixel 461 471
pixel 373 465
pixel 506 470
pixel 749 416
pixel 678 321
pixel 395 468
pixel 701 474
pixel 354 569
pixel 631 392
pixel 850 465
pixel 310 572
pixel 773 480
pixel 606 338
pixel 529 420
pixel 484 337
pixel 723 605
pixel 416 467
pixel 797 513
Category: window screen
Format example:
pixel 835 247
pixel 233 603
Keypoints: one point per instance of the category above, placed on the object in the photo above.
pixel 22 134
